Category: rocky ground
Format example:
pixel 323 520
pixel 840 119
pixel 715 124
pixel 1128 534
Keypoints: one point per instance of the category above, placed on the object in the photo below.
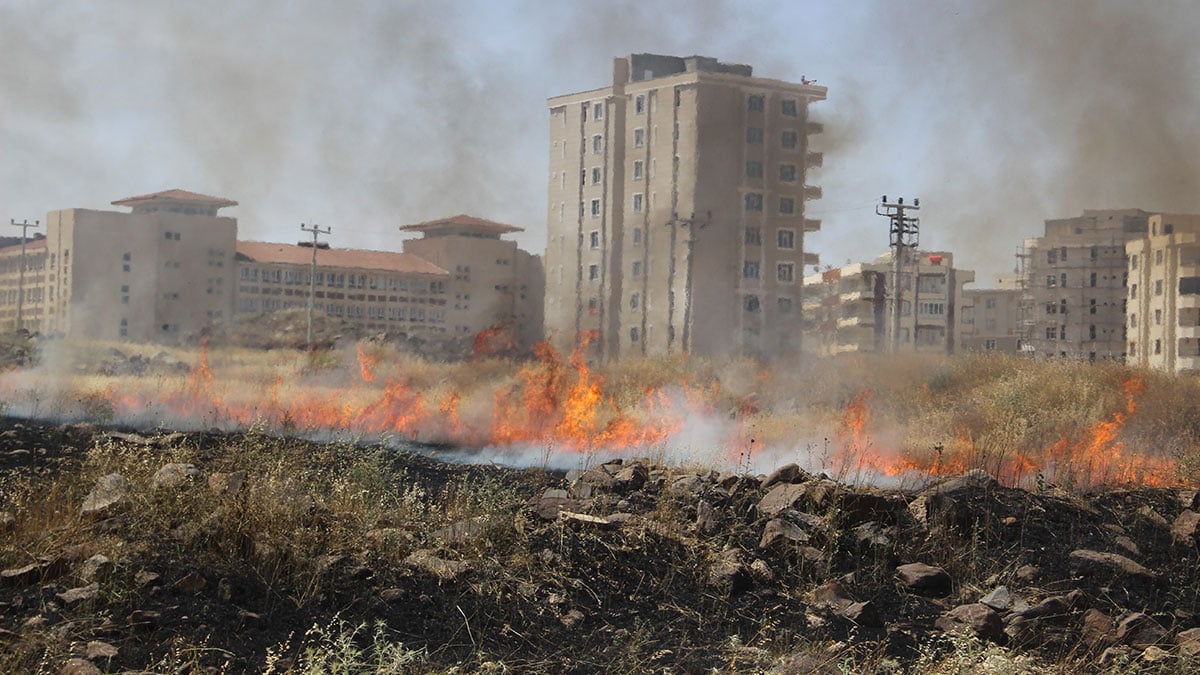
pixel 626 566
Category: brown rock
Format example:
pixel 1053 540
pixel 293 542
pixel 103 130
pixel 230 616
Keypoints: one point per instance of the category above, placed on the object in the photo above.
pixel 982 621
pixel 781 498
pixel 1140 631
pixel 144 619
pixel 630 478
pixel 863 614
pixel 175 476
pixel 110 494
pixel 1090 563
pixel 95 567
pixel 999 599
pixel 100 650
pixel 1147 516
pixel 588 521
pixel 924 579
pixel 707 521
pixel 832 593
pixel 22 576
pixel 81 594
pixel 446 570
pixel 227 483
pixel 79 667
pixel 1028 573
pixel 1189 642
pixel 781 532
pixel 145 577
pixel 551 503
pixel 1184 529
pixel 730 574
pixel 761 571
pixel 193 582
pixel 788 473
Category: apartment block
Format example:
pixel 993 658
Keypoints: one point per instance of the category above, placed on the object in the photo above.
pixel 1163 314
pixel 991 316
pixel 676 213
pixel 23 293
pixel 494 286
pixel 849 309
pixel 1075 276
pixel 374 290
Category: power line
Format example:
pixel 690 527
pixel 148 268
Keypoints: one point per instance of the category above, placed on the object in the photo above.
pixel 24 225
pixel 312 275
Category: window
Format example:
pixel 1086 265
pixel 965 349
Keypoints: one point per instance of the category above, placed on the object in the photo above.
pixel 785 272
pixel 1133 291
pixel 593 272
pixel 633 334
pixel 788 140
pixel 1133 262
pixel 1062 280
pixel 639 137
pixel 788 107
pixel 784 305
pixel 1094 253
pixel 1158 287
pixel 1062 332
pixel 639 104
pixel 754 135
pixel 637 202
pixel 1051 333
pixel 1092 280
pixel 637 269
pixel 750 269
pixel 1052 256
pixel 1158 257
pixel 1133 320
pixel 1158 317
pixel 750 303
pixel 787 205
pixel 594 239
pixel 597 175
pixel 634 301
pixel 754 201
pixel 637 169
pixel 753 236
pixel 1062 254
pixel 785 239
pixel 1092 306
pixel 1062 306
pixel 756 103
pixel 989 345
pixel 787 173
pixel 583 110
pixel 1158 346
pixel 1051 308
pixel 990 303
pixel 1092 332
pixel 754 169
pixel 597 144
pixel 598 111
pixel 637 236
pixel 595 208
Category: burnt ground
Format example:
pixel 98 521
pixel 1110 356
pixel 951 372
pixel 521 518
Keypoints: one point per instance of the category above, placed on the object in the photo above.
pixel 627 566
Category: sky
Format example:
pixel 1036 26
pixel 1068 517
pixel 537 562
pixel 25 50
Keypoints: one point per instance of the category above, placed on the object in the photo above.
pixel 364 116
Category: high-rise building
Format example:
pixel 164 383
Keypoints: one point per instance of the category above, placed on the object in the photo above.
pixel 849 309
pixel 990 317
pixel 676 214
pixel 1163 314
pixel 1073 305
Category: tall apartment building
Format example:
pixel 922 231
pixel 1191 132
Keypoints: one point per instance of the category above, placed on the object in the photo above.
pixel 494 285
pixel 849 309
pixel 676 212
pixel 155 274
pixel 376 290
pixel 1073 305
pixel 991 316
pixel 1163 315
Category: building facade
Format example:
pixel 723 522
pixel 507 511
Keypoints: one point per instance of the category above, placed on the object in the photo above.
pixel 991 316
pixel 849 309
pixel 23 291
pixel 494 286
pixel 676 214
pixel 1163 314
pixel 1075 276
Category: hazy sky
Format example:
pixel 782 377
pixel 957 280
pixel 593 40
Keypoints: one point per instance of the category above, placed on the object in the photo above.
pixel 365 116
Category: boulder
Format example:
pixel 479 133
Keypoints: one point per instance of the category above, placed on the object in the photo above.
pixel 1189 642
pixel 1140 631
pixel 1097 629
pixel 110 494
pixel 227 483
pixel 924 579
pixel 729 573
pixel 1090 563
pixel 863 614
pixel 95 567
pixel 1186 527
pixel 79 667
pixel 707 519
pixel 78 595
pixel 446 570
pixel 980 620
pixel 998 599
pixel 781 498
pixel 100 650
pixel 175 476
pixel 788 473
pixel 781 532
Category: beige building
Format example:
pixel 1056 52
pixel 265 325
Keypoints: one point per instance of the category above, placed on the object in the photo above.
pixel 849 309
pixel 494 286
pixel 676 212
pixel 1073 305
pixel 1163 315
pixel 991 316
pixel 374 290
pixel 156 274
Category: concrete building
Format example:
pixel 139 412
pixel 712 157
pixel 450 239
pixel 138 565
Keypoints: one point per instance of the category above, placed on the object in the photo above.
pixel 383 291
pixel 1073 304
pixel 676 214
pixel 494 286
pixel 849 309
pixel 156 274
pixel 991 316
pixel 1163 314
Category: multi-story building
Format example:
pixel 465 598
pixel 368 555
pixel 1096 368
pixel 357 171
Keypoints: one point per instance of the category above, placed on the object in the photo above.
pixel 1163 314
pixel 990 316
pixel 494 286
pixel 156 274
pixel 849 309
pixel 676 212
pixel 1075 285
pixel 374 290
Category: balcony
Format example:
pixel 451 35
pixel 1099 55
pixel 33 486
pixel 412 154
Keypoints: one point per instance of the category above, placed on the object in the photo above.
pixel 813 128
pixel 1189 363
pixel 812 224
pixel 856 322
pixel 814 159
pixel 1188 332
pixel 812 192
pixel 1189 301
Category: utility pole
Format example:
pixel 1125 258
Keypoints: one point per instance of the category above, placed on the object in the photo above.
pixel 904 233
pixel 24 225
pixel 312 275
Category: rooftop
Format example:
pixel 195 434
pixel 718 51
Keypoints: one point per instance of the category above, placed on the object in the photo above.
pixel 175 195
pixel 462 224
pixel 294 254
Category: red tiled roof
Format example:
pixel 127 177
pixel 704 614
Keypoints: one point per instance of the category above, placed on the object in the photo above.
pixel 462 220
pixel 291 254
pixel 30 245
pixel 175 196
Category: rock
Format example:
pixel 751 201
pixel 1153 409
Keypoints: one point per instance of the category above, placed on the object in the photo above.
pixel 191 583
pixel 81 594
pixel 982 621
pixel 224 589
pixel 975 480
pixel 585 520
pixel 109 495
pixel 145 577
pixel 463 530
pixel 924 579
pixel 808 664
pixel 1184 529
pixel 175 476
pixel 1028 573
pixel 729 573
pixel 100 650
pixel 1155 654
pixel 144 620
pixel 227 483
pixel 762 572
pixel 707 521
pixel 446 570
pixel 1140 631
pixel 781 532
pixel 1147 516
pixel 788 473
pixel 572 618
pixel 393 594
pixel 998 599
pixel 1127 544
pixel 1089 563
pixel 874 537
pixel 1189 642
pixel 630 478
pixel 95 567
pixel 1049 608
pixel 781 498
pixel 832 593
pixel 21 576
pixel 863 614
pixel 79 667
pixel 552 501
pixel 858 507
